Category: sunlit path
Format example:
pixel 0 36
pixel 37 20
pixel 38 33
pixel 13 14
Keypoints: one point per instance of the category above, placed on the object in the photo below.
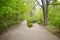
pixel 22 32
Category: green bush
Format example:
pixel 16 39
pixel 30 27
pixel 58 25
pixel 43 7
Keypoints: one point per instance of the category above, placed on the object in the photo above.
pixel 29 24
pixel 54 16
pixel 36 18
pixel 12 12
pixel 30 21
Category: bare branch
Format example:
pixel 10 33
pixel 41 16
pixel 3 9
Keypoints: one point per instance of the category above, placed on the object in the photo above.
pixel 38 3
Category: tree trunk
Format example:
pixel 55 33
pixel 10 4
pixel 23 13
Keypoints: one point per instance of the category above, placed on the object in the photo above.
pixel 45 11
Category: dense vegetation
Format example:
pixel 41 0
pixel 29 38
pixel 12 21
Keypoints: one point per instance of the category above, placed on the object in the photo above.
pixel 53 16
pixel 12 12
pixel 53 19
pixel 15 11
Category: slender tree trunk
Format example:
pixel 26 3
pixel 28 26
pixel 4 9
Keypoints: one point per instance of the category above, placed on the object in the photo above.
pixel 45 11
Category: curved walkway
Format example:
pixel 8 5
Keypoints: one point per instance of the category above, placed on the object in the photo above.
pixel 22 32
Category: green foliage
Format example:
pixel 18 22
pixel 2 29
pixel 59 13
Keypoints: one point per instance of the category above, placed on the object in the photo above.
pixel 29 24
pixel 30 20
pixel 39 16
pixel 36 18
pixel 12 12
pixel 54 0
pixel 55 3
pixel 54 16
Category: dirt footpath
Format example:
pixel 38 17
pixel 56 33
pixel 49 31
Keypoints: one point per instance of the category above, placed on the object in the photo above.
pixel 22 32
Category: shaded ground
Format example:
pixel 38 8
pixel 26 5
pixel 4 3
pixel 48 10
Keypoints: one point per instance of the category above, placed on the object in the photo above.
pixel 54 30
pixel 22 32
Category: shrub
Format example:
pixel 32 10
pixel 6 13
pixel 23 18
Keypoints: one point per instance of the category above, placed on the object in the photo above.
pixel 29 24
pixel 12 12
pixel 30 21
pixel 54 16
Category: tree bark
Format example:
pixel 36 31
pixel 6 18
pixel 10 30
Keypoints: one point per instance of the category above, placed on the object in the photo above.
pixel 45 11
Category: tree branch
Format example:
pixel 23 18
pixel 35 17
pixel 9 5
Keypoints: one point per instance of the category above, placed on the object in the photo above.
pixel 39 3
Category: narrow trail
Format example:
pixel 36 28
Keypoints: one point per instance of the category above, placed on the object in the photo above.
pixel 22 32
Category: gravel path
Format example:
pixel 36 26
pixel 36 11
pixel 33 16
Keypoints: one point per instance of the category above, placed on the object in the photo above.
pixel 22 32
